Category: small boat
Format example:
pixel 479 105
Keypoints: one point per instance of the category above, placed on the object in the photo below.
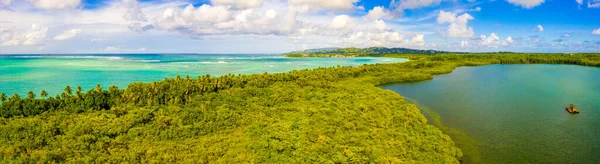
pixel 572 109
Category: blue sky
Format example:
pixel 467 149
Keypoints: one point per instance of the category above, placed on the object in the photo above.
pixel 276 26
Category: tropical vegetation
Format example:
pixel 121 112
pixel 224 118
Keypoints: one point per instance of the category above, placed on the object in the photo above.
pixel 324 115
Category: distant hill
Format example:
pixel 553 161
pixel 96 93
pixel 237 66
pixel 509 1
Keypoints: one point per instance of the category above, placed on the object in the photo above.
pixel 354 52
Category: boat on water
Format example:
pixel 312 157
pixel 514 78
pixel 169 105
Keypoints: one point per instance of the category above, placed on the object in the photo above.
pixel 572 109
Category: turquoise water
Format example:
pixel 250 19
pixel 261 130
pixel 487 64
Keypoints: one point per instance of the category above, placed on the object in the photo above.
pixel 515 113
pixel 21 73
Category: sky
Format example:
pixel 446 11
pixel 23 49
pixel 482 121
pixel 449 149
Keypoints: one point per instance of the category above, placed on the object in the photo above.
pixel 278 26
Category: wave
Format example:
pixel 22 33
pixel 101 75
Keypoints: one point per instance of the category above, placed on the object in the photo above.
pixel 248 58
pixel 73 57
pixel 205 62
pixel 146 61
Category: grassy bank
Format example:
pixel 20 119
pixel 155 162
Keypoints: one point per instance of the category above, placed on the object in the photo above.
pixel 321 115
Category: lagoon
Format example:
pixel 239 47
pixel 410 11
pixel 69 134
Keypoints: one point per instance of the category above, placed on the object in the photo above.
pixel 21 73
pixel 514 113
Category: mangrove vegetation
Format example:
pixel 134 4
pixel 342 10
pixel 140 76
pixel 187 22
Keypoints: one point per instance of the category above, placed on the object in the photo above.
pixel 323 115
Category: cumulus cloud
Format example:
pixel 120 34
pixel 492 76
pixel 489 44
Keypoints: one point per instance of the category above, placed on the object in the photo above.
pixel 220 20
pixel 378 12
pixel 528 4
pixel 32 36
pixel 134 12
pixel 239 4
pixel 55 4
pixel 67 34
pixel 596 31
pixel 320 5
pixel 580 2
pixel 400 5
pixel 378 34
pixel 457 27
pixel 566 35
pixel 464 44
pixel 491 41
pixel 540 28
pixel 341 22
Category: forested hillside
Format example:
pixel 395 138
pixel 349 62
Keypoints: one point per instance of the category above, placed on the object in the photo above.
pixel 325 115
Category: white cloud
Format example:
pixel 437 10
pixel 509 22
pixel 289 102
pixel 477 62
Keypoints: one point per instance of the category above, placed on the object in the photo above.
pixel 220 20
pixel 400 5
pixel 491 41
pixel 580 2
pixel 5 2
pixel 458 24
pixel 464 43
pixel 596 31
pixel 34 35
pixel 378 12
pixel 378 34
pixel 112 48
pixel 191 18
pixel 240 4
pixel 540 28
pixel 341 22
pixel 320 5
pixel 67 34
pixel 55 4
pixel 5 34
pixel 593 4
pixel 528 4
pixel 120 49
pixel 134 12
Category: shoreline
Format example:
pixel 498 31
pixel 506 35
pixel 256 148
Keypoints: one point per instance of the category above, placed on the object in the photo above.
pixel 302 98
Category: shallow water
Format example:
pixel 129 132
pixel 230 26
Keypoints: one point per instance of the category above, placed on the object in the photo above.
pixel 516 113
pixel 21 73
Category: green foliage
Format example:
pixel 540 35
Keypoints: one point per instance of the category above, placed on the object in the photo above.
pixel 324 115
pixel 361 52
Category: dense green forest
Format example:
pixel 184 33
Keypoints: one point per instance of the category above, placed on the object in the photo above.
pixel 383 51
pixel 324 115
pixel 362 52
pixel 359 52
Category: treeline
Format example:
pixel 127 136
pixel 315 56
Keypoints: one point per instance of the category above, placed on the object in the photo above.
pixel 361 52
pixel 170 91
pixel 323 115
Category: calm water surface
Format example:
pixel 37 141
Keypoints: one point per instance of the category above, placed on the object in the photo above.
pixel 21 73
pixel 515 113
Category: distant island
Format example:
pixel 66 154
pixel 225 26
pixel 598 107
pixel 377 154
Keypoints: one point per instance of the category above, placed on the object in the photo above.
pixel 372 52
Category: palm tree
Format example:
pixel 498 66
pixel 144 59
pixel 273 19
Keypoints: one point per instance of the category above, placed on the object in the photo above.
pixel 2 97
pixel 68 90
pixel 98 88
pixel 30 95
pixel 79 92
pixel 15 97
pixel 44 94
